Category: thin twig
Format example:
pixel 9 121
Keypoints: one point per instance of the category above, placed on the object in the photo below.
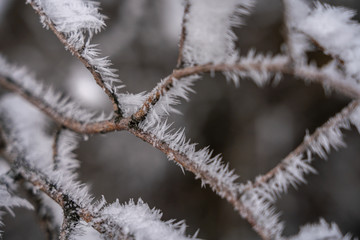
pixel 43 213
pixel 161 89
pixel 183 35
pixel 308 141
pixel 55 147
pixel 70 123
pixel 96 75
pixel 233 197
pixel 347 88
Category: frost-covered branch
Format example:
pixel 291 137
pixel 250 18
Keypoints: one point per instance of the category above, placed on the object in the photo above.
pixel 61 109
pixel 74 23
pixel 257 67
pixel 55 147
pixel 67 113
pixel 174 145
pixel 320 142
pixel 259 196
pixel 207 45
pixel 209 35
pixel 59 184
pixel 321 231
pixel 209 169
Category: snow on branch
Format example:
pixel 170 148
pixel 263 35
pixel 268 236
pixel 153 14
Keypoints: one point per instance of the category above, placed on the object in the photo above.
pixel 296 43
pixel 333 29
pixel 206 167
pixel 54 104
pixel 76 19
pixel 209 37
pixel 74 22
pixel 158 103
pixel 143 223
pixel 321 231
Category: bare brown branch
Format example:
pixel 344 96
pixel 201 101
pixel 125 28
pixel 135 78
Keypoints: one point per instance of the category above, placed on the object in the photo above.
pixel 55 147
pixel 183 35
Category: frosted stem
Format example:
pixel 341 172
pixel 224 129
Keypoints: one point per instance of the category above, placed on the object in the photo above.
pixel 91 67
pixel 70 123
pixel 309 140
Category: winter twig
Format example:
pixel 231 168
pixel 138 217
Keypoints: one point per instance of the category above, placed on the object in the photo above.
pixel 183 35
pixel 91 67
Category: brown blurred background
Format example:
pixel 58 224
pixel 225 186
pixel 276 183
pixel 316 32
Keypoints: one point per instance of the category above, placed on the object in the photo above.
pixel 253 128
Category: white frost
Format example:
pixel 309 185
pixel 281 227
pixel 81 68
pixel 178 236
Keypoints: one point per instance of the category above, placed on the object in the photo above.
pixel 25 80
pixel 72 18
pixel 209 38
pixel 321 231
pixel 143 223
pixel 78 21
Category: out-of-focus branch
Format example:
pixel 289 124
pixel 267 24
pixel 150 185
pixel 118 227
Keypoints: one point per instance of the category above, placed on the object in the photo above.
pixel 2 141
pixel 44 215
pixel 183 35
pixel 55 147
pixel 96 75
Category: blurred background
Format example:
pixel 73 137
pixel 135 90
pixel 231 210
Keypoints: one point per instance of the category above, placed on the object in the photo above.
pixel 253 128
